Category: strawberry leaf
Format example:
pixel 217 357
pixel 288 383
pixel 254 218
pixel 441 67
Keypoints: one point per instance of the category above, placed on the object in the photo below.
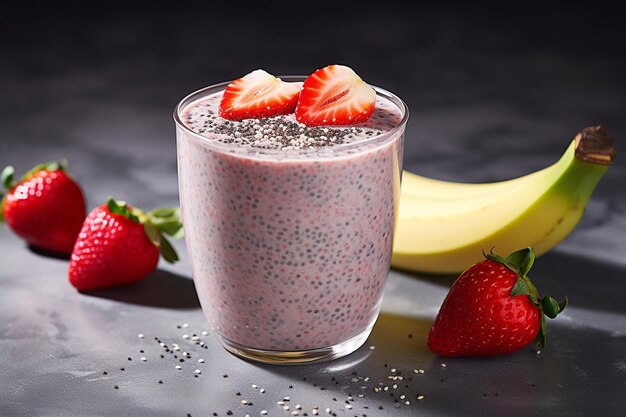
pixel 167 251
pixel 173 229
pixel 494 257
pixel 520 287
pixel 7 177
pixel 167 221
pixel 121 207
pixel 522 260
pixel 117 207
pixel 165 212
pixel 523 286
pixel 153 234
pixel 550 307
pixel 136 215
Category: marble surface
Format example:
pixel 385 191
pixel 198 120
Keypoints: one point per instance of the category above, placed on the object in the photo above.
pixel 493 95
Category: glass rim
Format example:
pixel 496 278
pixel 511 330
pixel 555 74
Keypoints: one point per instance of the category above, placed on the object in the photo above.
pixel 291 153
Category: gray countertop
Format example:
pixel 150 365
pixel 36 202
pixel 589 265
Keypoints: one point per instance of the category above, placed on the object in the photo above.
pixel 489 100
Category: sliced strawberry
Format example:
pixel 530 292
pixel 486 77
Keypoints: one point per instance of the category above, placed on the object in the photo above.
pixel 256 95
pixel 335 95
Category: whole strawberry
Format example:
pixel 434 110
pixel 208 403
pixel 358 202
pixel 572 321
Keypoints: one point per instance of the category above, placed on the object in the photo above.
pixel 493 309
pixel 46 207
pixel 120 245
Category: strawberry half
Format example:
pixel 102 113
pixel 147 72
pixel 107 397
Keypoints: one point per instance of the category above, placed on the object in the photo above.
pixel 335 95
pixel 120 245
pixel 493 309
pixel 256 95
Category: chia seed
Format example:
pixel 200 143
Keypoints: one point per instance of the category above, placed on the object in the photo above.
pixel 280 132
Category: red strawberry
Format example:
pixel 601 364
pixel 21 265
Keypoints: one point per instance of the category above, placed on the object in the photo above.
pixel 492 309
pixel 45 207
pixel 120 245
pixel 256 95
pixel 335 95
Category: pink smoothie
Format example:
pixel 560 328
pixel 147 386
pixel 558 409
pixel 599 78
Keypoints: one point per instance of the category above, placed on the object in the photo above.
pixel 289 228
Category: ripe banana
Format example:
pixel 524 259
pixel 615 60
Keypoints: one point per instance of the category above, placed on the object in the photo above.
pixel 444 227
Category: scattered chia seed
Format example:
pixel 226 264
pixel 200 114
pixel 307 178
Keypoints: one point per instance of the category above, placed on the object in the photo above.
pixel 364 386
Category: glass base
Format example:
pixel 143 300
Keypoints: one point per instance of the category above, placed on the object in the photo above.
pixel 298 357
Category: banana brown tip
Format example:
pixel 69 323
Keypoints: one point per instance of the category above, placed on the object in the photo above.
pixel 595 145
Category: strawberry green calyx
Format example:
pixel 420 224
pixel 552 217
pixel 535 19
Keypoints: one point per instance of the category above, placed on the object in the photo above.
pixel 46 166
pixel 156 223
pixel 8 174
pixel 520 262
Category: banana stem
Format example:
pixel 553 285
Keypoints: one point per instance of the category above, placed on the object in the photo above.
pixel 595 145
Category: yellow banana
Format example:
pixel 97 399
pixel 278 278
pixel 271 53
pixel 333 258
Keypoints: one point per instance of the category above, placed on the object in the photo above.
pixel 443 227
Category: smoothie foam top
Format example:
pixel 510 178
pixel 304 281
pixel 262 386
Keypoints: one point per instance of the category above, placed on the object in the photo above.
pixel 284 132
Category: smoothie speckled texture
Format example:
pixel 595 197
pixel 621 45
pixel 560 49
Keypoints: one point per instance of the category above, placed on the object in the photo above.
pixel 290 251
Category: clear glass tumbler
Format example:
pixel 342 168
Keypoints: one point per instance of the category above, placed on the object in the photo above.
pixel 290 250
